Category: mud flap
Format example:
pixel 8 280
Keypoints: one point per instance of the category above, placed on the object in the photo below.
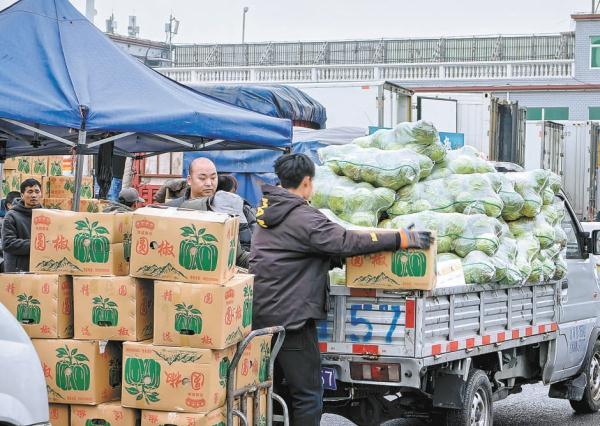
pixel 571 389
pixel 449 391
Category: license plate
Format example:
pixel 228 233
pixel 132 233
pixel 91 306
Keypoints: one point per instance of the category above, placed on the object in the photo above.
pixel 328 378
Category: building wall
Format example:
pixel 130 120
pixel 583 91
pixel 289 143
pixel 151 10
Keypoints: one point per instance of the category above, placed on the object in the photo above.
pixel 577 102
pixel 583 31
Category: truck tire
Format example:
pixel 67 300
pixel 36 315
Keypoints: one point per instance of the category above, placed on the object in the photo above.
pixel 477 410
pixel 590 403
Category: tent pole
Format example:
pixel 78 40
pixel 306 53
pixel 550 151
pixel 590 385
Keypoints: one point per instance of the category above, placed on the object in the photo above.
pixel 79 169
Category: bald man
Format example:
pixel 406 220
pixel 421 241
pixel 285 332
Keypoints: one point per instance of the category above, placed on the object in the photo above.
pixel 202 180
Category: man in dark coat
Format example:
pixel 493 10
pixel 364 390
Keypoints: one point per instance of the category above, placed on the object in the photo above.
pixel 16 229
pixel 291 254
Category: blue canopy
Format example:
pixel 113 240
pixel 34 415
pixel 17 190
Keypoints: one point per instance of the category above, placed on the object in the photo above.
pixel 61 74
pixel 274 100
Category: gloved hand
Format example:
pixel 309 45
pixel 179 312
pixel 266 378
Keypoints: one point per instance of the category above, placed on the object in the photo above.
pixel 414 239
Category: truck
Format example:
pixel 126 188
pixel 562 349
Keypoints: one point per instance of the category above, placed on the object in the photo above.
pixel 448 354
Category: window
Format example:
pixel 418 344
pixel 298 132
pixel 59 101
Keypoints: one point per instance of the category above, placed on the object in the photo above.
pixel 570 229
pixel 548 113
pixel 594 113
pixel 595 52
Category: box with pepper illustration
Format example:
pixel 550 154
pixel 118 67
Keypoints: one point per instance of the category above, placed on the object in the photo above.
pixel 182 245
pixel 55 165
pixel 108 414
pixel 43 304
pixel 91 205
pixel 206 316
pixel 12 181
pixel 80 243
pixel 262 410
pixel 162 418
pixel 403 269
pixel 60 414
pixel 166 378
pixel 64 187
pixel 113 308
pixel 253 366
pixel 86 372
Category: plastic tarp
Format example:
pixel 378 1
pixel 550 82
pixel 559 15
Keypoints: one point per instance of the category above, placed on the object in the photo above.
pixel 274 100
pixel 55 65
pixel 252 168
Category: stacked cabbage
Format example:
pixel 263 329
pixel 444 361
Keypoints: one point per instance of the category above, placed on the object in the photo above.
pixel 505 227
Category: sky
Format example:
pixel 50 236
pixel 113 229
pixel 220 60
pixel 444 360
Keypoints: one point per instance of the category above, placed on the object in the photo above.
pixel 214 21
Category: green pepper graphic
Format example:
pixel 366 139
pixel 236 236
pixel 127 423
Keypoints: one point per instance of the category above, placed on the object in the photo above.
pixel 198 251
pixel 127 246
pixel 91 245
pixel 39 167
pixel 265 358
pixel 409 263
pixel 247 314
pixel 56 168
pixel 86 190
pixel 223 370
pixel 92 208
pixel 23 165
pixel 72 373
pixel 28 309
pixel 232 252
pixel 105 312
pixel 188 319
pixel 143 376
pixel 96 422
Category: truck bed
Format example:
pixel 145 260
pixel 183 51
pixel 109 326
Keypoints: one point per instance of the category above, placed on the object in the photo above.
pixel 438 325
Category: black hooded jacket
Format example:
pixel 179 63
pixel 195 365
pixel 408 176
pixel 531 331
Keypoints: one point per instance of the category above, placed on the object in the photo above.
pixel 16 238
pixel 290 257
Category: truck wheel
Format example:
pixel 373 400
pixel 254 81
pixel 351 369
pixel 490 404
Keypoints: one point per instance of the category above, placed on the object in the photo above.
pixel 478 403
pixel 370 411
pixel 590 403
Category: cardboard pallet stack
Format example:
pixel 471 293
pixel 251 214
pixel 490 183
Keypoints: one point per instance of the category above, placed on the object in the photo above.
pixel 202 310
pixel 137 316
pixel 57 190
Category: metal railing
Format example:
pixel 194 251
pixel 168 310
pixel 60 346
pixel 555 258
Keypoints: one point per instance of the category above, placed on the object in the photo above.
pixel 510 70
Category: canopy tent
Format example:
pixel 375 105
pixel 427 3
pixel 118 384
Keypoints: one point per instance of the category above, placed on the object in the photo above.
pixel 252 168
pixel 66 86
pixel 274 100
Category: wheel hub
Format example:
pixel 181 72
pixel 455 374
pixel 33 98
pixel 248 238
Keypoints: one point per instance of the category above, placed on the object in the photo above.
pixel 479 409
pixel 595 377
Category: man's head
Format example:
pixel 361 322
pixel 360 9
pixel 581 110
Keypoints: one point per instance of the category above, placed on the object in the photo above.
pixel 129 196
pixel 31 193
pixel 10 199
pixel 227 183
pixel 202 178
pixel 296 172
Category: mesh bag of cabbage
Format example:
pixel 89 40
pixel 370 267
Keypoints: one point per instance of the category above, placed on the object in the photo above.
pixel 388 169
pixel 358 203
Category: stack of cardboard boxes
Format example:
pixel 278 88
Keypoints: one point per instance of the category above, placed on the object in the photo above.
pixel 57 190
pixel 143 307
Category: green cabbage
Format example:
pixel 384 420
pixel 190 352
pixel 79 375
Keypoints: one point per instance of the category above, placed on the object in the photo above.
pixel 478 268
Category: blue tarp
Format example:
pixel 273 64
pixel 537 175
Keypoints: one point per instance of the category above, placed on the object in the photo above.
pixel 274 100
pixel 252 168
pixel 54 64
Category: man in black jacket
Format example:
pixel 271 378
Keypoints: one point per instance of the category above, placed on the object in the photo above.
pixel 291 254
pixel 16 230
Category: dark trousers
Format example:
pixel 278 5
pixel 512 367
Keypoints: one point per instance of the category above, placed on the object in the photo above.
pixel 298 375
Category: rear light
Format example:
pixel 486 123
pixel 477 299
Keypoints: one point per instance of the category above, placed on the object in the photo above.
pixel 375 372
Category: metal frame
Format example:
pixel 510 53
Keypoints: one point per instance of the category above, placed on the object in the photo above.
pixel 233 393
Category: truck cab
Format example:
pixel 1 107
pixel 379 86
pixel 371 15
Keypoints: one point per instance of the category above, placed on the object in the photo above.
pixel 449 353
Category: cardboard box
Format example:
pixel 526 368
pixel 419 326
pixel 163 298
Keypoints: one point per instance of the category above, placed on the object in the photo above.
pixel 46 187
pixel 91 205
pixel 113 308
pixel 109 414
pixel 203 316
pixel 43 304
pixel 167 378
pixel 39 165
pixel 60 415
pixel 80 372
pixel 253 366
pixel 249 411
pixel 159 418
pixel 11 163
pixel 173 244
pixel 80 243
pixel 64 186
pixel 404 269
pixel 12 181
pixel 25 165
pixel 55 165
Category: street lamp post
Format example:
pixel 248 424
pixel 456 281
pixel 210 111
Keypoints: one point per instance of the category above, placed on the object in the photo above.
pixel 244 24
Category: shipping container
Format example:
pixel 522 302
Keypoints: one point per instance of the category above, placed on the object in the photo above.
pixel 507 131
pixel 580 180
pixel 545 146
pixel 361 104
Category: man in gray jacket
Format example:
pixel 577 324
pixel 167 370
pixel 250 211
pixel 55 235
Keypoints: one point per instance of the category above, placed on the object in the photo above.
pixel 291 254
pixel 16 229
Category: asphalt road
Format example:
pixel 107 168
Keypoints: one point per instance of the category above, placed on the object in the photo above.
pixel 532 407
